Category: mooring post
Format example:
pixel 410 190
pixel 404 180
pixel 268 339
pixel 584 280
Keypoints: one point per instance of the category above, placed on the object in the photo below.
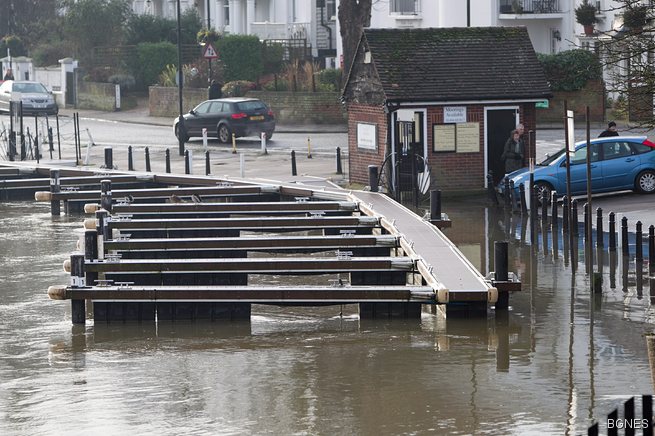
pixel 109 158
pixel 651 250
pixel 599 228
pixel 147 152
pixel 639 241
pixel 51 141
pixel 102 229
pixel 168 161
pixel 105 195
pixel 625 245
pixel 373 177
pixel 187 164
pixel 294 171
pixel 501 271
pixel 647 413
pixel 554 214
pixel 78 312
pixel 565 214
pixel 612 232
pixel 435 204
pixel 629 415
pixel 91 252
pixel 506 189
pixel 55 188
pixel 207 164
pixel 586 223
pixel 339 169
pixel 574 217
pixel 130 159
pixel 524 204
pixel 544 210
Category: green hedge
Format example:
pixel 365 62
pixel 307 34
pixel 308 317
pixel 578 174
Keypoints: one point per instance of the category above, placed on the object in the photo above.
pixel 151 60
pixel 242 57
pixel 571 70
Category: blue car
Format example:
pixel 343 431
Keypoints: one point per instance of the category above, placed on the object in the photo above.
pixel 617 163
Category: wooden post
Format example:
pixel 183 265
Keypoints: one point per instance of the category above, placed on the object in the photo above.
pixel 55 187
pixel 78 312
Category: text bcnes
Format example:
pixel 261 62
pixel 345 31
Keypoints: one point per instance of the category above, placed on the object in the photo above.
pixel 628 423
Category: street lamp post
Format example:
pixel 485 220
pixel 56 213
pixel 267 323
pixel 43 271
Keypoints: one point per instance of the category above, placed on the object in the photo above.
pixel 209 61
pixel 181 130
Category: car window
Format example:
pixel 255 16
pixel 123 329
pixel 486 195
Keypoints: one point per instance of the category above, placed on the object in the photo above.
pixel 580 155
pixel 641 148
pixel 250 106
pixel 202 108
pixel 29 88
pixel 5 87
pixel 613 150
pixel 216 108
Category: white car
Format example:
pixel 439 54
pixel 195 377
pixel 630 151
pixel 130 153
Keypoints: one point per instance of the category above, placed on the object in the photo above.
pixel 37 100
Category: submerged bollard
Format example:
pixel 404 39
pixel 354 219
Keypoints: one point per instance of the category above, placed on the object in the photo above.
pixel 168 161
pixel 650 345
pixel 130 159
pixel 373 177
pixel 651 250
pixel 109 158
pixel 147 152
pixel 565 214
pixel 339 169
pixel 294 171
pixel 491 192
pixel 105 195
pixel 512 200
pixel 506 195
pixel 78 309
pixel 625 245
pixel 435 204
pixel 102 229
pixel 207 164
pixel 524 204
pixel 501 261
pixel 639 241
pixel 574 217
pixel 55 187
pixel 554 211
pixel 599 228
pixel 544 211
pixel 612 232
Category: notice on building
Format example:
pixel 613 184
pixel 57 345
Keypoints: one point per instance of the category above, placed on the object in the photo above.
pixel 454 114
pixel 443 137
pixel 367 136
pixel 468 137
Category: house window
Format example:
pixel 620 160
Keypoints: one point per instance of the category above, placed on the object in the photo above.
pixel 404 7
pixel 331 9
pixel 226 12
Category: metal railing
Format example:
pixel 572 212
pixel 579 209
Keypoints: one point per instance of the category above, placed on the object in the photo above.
pixel 529 6
pixel 405 7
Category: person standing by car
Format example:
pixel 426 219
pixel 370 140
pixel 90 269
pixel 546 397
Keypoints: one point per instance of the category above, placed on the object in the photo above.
pixel 9 75
pixel 215 90
pixel 513 152
pixel 610 131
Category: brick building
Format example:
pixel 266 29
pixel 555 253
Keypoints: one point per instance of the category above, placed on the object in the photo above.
pixel 449 96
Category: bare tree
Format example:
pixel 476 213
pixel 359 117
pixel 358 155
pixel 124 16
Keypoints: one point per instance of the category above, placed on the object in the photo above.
pixel 354 15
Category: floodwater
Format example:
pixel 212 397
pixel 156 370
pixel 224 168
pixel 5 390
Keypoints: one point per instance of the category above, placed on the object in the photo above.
pixel 558 361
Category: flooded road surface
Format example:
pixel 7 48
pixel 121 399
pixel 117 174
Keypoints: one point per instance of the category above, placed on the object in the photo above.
pixel 558 361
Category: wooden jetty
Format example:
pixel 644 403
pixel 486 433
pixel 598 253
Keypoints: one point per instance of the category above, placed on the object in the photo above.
pixel 172 247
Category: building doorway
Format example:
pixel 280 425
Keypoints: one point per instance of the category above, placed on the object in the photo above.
pixel 499 122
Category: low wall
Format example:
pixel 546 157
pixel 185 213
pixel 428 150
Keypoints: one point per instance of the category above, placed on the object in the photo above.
pixel 288 107
pixel 98 96
pixel 164 101
pixel 592 95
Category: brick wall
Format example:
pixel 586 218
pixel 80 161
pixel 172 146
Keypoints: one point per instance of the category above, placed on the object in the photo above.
pixel 164 101
pixel 592 95
pixel 359 159
pixel 98 96
pixel 304 107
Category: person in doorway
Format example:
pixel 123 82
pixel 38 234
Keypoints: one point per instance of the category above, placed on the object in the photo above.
pixel 513 152
pixel 610 131
pixel 215 90
pixel 9 75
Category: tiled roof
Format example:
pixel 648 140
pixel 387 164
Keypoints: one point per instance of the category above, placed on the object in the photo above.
pixel 449 64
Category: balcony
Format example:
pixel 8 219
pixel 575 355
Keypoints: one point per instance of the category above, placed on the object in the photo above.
pixel 529 9
pixel 266 30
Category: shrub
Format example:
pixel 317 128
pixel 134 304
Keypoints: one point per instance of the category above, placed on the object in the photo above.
pixel 237 88
pixel 571 70
pixel 241 56
pixel 14 43
pixel 125 81
pixel 207 35
pixel 330 79
pixel 151 59
pixel 272 57
pixel 49 53
pixel 585 13
pixel 148 28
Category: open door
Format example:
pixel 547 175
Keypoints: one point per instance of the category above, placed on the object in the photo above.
pixel 498 124
pixel 411 176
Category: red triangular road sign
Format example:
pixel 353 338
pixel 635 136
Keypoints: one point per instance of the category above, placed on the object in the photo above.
pixel 209 52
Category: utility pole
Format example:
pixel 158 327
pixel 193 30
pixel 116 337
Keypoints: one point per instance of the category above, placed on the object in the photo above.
pixel 180 78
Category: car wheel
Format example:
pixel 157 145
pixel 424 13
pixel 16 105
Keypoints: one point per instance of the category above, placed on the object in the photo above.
pixel 544 192
pixel 269 135
pixel 185 138
pixel 224 134
pixel 645 182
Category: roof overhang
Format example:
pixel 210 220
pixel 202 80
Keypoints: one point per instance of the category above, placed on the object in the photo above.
pixel 399 104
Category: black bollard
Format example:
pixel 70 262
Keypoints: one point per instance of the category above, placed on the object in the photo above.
pixel 168 161
pixel 639 241
pixel 506 193
pixel 435 204
pixel 207 164
pixel 339 169
pixel 512 199
pixel 102 228
pixel 51 142
pixel 625 245
pixel 55 188
pixel 612 232
pixel 544 211
pixel 294 171
pixel 574 217
pixel 373 177
pixel 586 222
pixel 599 228
pixel 90 244
pixel 651 250
pixel 130 159
pixel 565 214
pixel 501 262
pixel 554 212
pixel 524 206
pixel 105 195
pixel 147 152
pixel 187 162
pixel 78 312
pixel 109 158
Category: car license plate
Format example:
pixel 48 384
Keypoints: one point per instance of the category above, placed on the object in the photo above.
pixel 257 118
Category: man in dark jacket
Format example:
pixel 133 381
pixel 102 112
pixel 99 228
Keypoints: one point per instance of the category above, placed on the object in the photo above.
pixel 215 90
pixel 610 131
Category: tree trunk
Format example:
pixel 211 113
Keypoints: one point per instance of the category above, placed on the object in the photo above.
pixel 354 15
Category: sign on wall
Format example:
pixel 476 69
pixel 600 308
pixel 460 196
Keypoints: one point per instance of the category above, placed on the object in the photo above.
pixel 461 138
pixel 367 137
pixel 454 114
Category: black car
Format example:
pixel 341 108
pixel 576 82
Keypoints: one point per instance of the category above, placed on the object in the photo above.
pixel 226 116
pixel 37 100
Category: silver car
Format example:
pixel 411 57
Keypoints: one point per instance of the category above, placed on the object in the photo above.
pixel 37 100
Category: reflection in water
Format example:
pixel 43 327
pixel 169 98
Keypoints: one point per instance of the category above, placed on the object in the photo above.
pixel 312 371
